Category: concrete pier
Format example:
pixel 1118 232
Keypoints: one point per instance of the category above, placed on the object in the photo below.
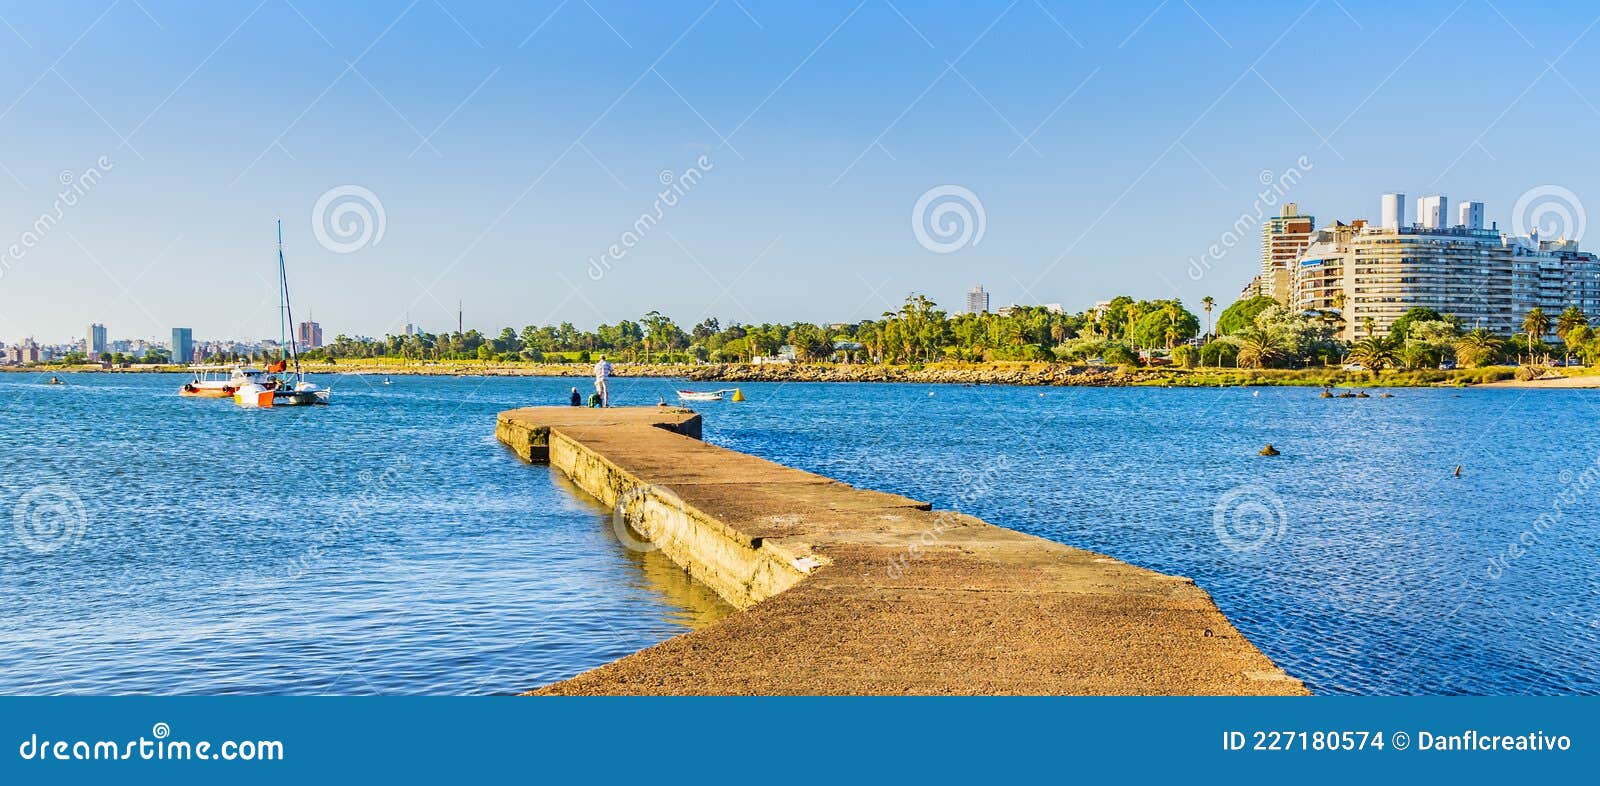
pixel 850 591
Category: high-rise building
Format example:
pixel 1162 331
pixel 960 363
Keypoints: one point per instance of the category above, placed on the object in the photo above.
pixel 1433 211
pixel 1373 275
pixel 308 335
pixel 977 300
pixel 1470 215
pixel 94 341
pixel 182 345
pixel 1283 237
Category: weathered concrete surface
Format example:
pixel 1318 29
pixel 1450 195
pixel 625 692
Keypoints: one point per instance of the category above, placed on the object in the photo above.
pixel 848 591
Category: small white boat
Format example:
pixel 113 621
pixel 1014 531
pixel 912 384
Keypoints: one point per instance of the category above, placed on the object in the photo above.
pixel 698 395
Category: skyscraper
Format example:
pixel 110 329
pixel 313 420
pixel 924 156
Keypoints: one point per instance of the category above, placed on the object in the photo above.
pixel 94 341
pixel 308 334
pixel 1283 238
pixel 182 345
pixel 977 300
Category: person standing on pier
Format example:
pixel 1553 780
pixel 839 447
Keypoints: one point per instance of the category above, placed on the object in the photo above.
pixel 602 373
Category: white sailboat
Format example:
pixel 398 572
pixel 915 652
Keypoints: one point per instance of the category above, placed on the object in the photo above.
pixel 283 387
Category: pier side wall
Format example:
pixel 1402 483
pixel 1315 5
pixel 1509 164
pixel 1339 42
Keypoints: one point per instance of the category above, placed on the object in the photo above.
pixel 851 591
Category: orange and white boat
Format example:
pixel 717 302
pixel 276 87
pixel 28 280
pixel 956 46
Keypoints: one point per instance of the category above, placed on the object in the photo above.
pixel 253 396
pixel 221 381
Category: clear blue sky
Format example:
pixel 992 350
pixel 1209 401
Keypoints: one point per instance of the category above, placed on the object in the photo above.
pixel 511 143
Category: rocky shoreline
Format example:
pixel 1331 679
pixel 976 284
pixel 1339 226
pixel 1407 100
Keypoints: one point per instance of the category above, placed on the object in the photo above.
pixel 997 373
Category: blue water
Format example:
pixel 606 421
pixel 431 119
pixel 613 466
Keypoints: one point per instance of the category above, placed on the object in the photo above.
pixel 383 544
pixel 438 563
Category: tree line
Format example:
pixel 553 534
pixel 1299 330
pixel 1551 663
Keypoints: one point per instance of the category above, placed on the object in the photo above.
pixel 1252 333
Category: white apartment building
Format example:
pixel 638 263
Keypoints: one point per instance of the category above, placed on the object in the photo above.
pixel 1488 279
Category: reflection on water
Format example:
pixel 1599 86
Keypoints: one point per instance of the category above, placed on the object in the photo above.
pixel 690 603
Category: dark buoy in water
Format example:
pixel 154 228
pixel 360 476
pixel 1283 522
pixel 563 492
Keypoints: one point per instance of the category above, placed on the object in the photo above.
pixel 1458 470
pixel 1269 450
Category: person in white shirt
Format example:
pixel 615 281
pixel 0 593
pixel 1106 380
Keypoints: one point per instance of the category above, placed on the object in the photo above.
pixel 602 372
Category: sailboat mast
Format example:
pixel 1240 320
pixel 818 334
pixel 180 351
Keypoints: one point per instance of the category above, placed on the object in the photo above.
pixel 288 310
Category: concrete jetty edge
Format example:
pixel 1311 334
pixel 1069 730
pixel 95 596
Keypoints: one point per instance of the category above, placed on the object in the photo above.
pixel 850 591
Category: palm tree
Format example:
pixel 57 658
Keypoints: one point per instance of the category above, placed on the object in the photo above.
pixel 1373 352
pixel 1258 349
pixel 1370 325
pixel 1207 302
pixel 1535 324
pixel 1173 312
pixel 1134 313
pixel 1477 348
pixel 1571 319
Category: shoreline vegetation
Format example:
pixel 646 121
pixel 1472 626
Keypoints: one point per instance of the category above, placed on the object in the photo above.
pixel 1023 373
pixel 1120 342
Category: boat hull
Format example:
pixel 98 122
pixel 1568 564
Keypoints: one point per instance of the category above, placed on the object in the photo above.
pixel 688 395
pixel 202 392
pixel 253 397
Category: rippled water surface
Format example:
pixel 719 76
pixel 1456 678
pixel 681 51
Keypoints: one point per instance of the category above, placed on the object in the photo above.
pixel 383 544
pixel 388 544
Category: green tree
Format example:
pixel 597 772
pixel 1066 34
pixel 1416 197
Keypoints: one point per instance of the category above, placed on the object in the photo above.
pixel 1241 316
pixel 1258 349
pixel 1477 348
pixel 1570 319
pixel 1374 352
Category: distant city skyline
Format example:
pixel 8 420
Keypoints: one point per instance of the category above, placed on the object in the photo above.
pixel 753 162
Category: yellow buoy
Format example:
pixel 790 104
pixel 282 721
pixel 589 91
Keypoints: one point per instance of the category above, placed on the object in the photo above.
pixel 738 395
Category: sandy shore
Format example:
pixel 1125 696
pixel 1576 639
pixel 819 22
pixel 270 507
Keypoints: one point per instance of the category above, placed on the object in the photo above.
pixel 1564 383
